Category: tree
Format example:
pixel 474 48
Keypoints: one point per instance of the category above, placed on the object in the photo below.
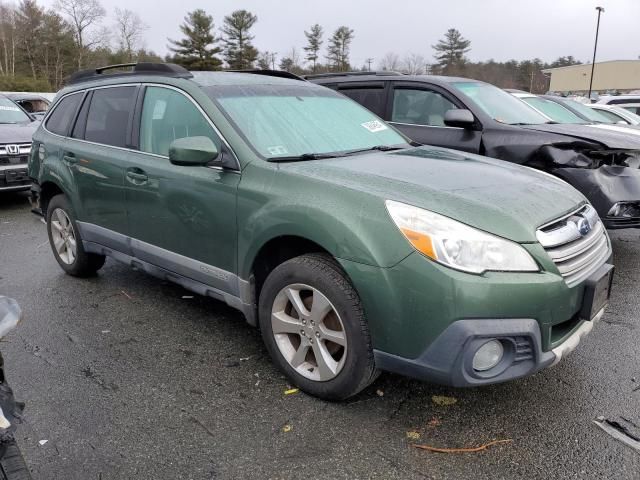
pixel 413 64
pixel 390 61
pixel 314 42
pixel 239 52
pixel 267 60
pixel 129 27
pixel 564 62
pixel 198 50
pixel 339 47
pixel 450 51
pixel 83 14
pixel 29 19
pixel 291 63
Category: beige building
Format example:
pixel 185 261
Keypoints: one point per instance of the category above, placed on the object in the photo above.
pixel 620 75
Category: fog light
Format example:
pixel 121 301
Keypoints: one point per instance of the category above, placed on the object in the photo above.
pixel 488 356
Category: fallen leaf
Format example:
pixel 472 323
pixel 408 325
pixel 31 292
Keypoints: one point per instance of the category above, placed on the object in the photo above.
pixel 413 435
pixel 291 391
pixel 287 428
pixel 461 450
pixel 42 442
pixel 380 393
pixel 443 401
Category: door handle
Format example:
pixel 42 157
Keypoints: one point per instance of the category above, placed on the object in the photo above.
pixel 69 159
pixel 137 177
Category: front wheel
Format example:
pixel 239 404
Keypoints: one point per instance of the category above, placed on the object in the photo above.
pixel 314 327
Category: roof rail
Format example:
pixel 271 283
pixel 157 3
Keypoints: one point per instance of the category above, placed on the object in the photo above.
pixel 270 73
pixel 380 73
pixel 142 68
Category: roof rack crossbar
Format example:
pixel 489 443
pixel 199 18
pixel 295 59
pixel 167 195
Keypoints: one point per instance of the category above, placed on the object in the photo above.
pixel 141 68
pixel 271 73
pixel 380 73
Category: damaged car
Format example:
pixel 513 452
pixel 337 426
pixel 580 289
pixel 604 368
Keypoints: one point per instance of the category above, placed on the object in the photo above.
pixel 477 117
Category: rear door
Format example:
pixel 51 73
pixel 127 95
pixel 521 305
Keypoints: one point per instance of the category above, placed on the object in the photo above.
pixel 418 111
pixel 182 218
pixel 98 153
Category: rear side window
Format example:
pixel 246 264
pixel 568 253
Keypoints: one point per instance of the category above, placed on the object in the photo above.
pixel 60 119
pixel 108 116
pixel 420 107
pixel 168 115
pixel 371 98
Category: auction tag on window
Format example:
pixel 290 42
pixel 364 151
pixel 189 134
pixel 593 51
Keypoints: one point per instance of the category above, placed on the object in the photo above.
pixel 374 126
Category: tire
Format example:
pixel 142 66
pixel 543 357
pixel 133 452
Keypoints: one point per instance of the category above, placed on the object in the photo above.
pixel 12 464
pixel 317 284
pixel 60 216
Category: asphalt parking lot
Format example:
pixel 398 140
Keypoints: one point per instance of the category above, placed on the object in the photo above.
pixel 127 377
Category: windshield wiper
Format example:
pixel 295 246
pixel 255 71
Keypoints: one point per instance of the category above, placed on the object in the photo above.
pixel 302 157
pixel 381 148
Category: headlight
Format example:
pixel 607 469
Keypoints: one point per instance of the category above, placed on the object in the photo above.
pixel 458 245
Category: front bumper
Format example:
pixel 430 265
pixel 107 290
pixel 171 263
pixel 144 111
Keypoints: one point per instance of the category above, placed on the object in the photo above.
pixel 448 360
pixel 14 178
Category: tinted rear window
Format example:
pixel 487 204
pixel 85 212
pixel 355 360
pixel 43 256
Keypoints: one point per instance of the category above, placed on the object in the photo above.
pixel 60 119
pixel 108 117
pixel 372 98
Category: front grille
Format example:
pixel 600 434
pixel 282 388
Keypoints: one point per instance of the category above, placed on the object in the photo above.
pixel 15 154
pixel 577 243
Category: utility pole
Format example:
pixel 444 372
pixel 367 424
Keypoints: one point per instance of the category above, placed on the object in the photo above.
pixel 595 48
pixel 273 60
pixel 369 61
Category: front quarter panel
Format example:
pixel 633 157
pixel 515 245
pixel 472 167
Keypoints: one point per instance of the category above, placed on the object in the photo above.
pixel 349 224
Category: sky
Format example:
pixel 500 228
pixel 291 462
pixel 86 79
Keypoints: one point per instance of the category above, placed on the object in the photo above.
pixel 498 29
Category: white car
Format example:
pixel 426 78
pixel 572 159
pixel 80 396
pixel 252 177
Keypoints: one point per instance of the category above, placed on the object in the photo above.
pixel 616 113
pixel 628 102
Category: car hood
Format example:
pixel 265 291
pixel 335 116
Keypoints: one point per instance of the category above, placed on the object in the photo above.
pixel 17 133
pixel 608 137
pixel 499 197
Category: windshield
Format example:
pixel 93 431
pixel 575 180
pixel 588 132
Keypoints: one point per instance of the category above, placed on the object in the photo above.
pixel 500 105
pixel 554 111
pixel 11 113
pixel 290 120
pixel 590 113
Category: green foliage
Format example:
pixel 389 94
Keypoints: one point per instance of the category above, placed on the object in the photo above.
pixel 23 84
pixel 338 49
pixel 450 51
pixel 314 42
pixel 198 50
pixel 239 52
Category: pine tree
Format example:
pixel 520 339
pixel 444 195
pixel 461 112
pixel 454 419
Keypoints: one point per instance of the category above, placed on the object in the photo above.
pixel 338 49
pixel 198 50
pixel 239 52
pixel 314 42
pixel 450 51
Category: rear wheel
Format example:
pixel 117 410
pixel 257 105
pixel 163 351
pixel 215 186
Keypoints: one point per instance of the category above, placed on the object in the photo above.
pixel 12 464
pixel 314 327
pixel 66 242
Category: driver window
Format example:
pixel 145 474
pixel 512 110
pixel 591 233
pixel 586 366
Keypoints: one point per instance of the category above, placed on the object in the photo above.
pixel 168 115
pixel 420 107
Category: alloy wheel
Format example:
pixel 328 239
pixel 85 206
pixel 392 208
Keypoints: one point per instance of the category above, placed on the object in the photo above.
pixel 309 332
pixel 63 236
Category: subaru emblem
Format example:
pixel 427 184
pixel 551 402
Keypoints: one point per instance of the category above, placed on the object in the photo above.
pixel 13 149
pixel 584 227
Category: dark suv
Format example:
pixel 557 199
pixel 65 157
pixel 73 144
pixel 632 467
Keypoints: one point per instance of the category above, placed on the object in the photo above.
pixel 477 117
pixel 353 251
pixel 16 129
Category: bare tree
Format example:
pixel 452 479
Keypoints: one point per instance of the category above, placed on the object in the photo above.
pixel 83 14
pixel 8 39
pixel 130 28
pixel 413 64
pixel 390 61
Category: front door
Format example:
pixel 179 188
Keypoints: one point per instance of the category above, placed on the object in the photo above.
pixel 181 218
pixel 418 112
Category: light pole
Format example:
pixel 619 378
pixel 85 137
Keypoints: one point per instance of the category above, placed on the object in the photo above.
pixel 595 48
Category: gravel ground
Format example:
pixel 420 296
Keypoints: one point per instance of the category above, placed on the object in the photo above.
pixel 128 377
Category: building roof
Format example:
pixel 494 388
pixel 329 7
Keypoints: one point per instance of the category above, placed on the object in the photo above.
pixel 582 65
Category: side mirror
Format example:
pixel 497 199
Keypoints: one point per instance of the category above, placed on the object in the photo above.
pixel 622 122
pixel 193 151
pixel 459 117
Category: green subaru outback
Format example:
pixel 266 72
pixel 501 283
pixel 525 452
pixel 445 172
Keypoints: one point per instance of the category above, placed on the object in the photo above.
pixel 352 250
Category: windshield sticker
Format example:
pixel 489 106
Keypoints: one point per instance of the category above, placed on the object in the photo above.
pixel 9 109
pixel 277 150
pixel 374 126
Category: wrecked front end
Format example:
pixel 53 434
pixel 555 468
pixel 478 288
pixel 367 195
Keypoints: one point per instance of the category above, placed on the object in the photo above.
pixel 10 410
pixel 609 178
